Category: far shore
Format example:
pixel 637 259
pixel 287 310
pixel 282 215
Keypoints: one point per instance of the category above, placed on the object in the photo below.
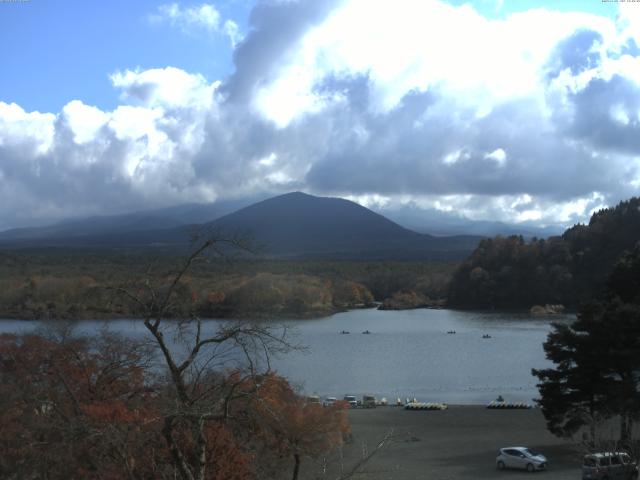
pixel 261 316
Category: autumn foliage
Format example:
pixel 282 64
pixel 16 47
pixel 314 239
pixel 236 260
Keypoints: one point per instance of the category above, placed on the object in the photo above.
pixel 73 407
pixel 294 427
pixel 70 407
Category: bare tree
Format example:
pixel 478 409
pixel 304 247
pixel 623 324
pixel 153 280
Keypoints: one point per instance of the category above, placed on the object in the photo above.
pixel 210 370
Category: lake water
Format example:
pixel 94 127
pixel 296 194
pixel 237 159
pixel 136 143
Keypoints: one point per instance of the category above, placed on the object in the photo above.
pixel 407 354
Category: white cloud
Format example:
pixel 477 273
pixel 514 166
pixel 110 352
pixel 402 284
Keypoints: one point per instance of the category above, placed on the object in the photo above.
pixel 204 16
pixel 619 114
pixel 498 155
pixel 188 19
pixel 386 103
pixel 84 120
pixel 455 156
pixel 165 87
pixel 28 128
pixel 370 201
pixel 426 45
pixel 230 28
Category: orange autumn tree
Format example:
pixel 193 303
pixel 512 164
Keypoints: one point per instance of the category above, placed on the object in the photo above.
pixel 295 427
pixel 71 407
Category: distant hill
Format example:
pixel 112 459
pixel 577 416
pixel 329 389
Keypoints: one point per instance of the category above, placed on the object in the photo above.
pixel 290 225
pixel 440 223
pixel 141 221
pixel 508 272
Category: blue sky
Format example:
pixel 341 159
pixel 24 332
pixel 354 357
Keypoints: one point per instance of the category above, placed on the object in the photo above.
pixel 57 51
pixel 516 111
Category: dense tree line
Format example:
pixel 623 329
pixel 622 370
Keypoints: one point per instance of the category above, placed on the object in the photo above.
pixel 58 285
pixel 509 272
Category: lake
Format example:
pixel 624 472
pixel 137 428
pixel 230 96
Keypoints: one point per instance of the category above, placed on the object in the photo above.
pixel 407 354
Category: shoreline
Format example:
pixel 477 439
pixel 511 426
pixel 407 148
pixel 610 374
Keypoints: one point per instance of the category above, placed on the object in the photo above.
pixel 309 315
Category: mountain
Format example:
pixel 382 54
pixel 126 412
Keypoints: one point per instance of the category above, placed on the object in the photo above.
pixel 436 222
pixel 148 220
pixel 297 224
pixel 290 225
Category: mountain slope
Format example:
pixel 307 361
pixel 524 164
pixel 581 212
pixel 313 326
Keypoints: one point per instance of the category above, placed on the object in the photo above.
pixel 290 225
pixel 441 223
pixel 297 224
pixel 142 221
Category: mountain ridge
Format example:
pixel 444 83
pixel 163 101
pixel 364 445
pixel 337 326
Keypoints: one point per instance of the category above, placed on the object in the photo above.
pixel 292 225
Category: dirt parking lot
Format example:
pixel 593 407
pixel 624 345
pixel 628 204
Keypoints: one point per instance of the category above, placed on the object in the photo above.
pixel 459 443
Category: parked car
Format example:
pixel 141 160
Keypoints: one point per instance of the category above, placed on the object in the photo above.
pixel 520 457
pixel 313 399
pixel 368 401
pixel 351 400
pixel 609 466
pixel 330 401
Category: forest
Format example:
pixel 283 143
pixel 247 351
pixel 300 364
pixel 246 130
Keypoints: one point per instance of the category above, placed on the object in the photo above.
pixel 66 285
pixel 513 273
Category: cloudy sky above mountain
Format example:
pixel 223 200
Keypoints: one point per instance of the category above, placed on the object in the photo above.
pixel 496 110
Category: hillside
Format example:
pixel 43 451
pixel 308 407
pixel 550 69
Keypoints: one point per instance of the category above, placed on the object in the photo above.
pixel 507 272
pixel 140 221
pixel 294 225
pixel 297 224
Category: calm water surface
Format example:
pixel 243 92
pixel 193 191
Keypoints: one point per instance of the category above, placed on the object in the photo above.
pixel 407 354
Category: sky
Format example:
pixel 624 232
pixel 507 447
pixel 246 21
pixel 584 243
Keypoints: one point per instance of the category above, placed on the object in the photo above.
pixel 502 110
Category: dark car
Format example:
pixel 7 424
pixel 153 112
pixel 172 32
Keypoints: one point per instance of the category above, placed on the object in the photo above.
pixel 609 466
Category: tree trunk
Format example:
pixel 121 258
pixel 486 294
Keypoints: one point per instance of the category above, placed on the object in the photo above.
pixel 178 458
pixel 592 426
pixel 201 450
pixel 624 428
pixel 296 468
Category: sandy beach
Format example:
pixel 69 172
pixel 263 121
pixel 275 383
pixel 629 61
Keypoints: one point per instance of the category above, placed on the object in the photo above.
pixel 458 443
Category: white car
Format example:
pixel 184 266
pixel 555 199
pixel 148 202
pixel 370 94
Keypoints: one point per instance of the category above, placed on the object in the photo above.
pixel 351 400
pixel 520 457
pixel 330 401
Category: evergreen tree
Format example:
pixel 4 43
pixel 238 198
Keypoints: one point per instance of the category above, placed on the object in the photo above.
pixel 597 359
pixel 573 394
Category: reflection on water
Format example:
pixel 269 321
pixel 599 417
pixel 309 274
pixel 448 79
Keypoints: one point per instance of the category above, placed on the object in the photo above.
pixel 408 353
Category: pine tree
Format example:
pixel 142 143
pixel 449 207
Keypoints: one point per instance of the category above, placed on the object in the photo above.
pixel 597 359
